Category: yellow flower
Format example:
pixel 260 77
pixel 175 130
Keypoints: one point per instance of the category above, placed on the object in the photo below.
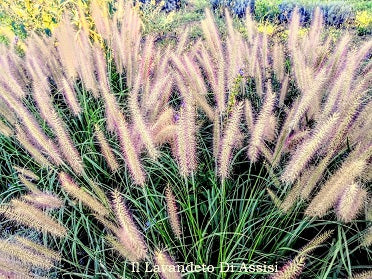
pixel 21 46
pixel 363 19
pixel 302 32
pixel 20 12
pixel 7 32
pixel 47 20
pixel 266 28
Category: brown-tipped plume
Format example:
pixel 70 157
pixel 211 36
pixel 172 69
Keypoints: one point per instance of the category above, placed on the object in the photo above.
pixel 111 107
pixel 166 265
pixel 128 235
pixel 166 134
pixel 116 121
pixel 141 126
pixel 313 175
pixel 28 184
pixel 210 31
pixel 164 119
pixel 10 268
pixel 68 91
pixel 10 79
pixel 196 83
pixel 292 196
pixel 216 134
pixel 7 114
pixel 86 62
pixel 173 212
pixel 278 63
pixel 190 81
pixel 26 257
pixel 38 248
pixel 126 52
pixel 122 249
pixel 283 90
pixel 293 29
pixel 213 51
pixel 100 15
pixel 249 115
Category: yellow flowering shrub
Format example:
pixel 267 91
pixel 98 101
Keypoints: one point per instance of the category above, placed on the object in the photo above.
pixel 153 17
pixel 266 28
pixel 363 21
pixel 18 17
pixel 21 16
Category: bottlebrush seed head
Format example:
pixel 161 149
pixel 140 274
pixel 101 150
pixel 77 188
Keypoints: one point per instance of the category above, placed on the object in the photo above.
pixel 351 202
pixel 70 186
pixel 173 212
pixel 362 275
pixel 106 149
pixel 292 269
pixel 338 182
pixel 229 140
pixel 167 266
pixel 43 200
pixel 26 214
pixel 128 234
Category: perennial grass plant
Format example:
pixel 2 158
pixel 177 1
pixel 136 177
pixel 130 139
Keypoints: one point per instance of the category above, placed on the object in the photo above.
pixel 128 157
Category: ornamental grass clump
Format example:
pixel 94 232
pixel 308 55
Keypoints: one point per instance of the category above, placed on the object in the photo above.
pixel 97 129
